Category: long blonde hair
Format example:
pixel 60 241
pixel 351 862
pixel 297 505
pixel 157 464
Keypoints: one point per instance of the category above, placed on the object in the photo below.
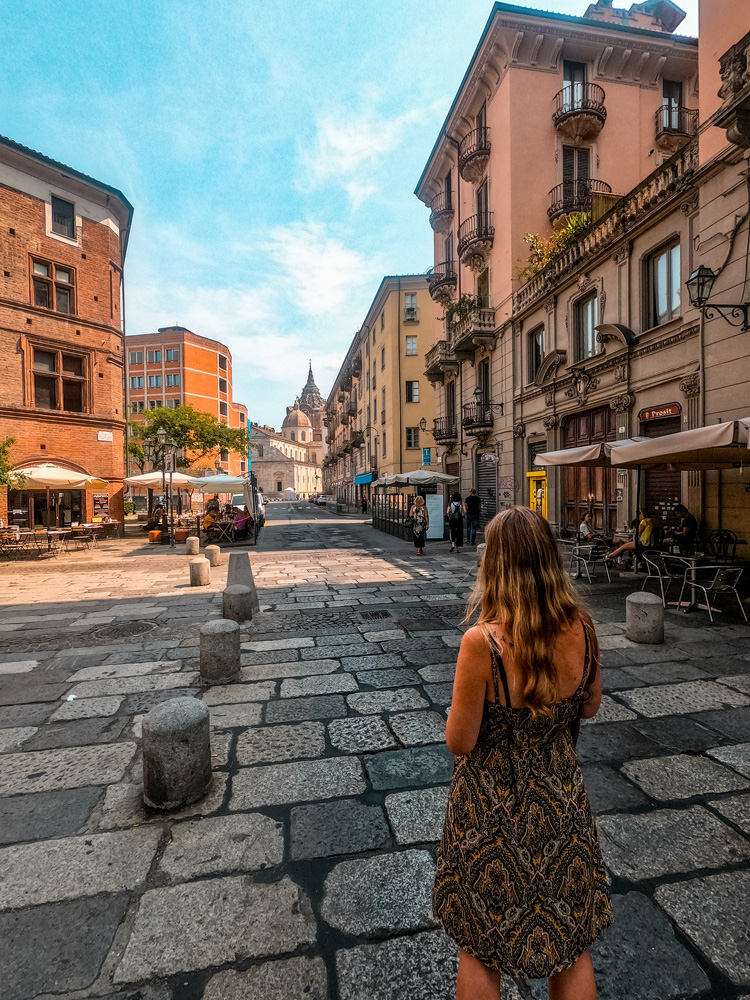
pixel 523 587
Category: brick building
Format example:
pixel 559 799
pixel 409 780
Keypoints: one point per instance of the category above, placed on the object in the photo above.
pixel 176 367
pixel 63 238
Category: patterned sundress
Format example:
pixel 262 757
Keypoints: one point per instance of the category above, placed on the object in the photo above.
pixel 520 883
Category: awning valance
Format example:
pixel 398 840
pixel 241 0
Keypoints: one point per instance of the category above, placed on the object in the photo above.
pixel 365 477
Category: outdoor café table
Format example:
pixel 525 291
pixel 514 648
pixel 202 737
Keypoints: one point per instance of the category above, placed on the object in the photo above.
pixel 692 605
pixel 225 531
pixel 57 539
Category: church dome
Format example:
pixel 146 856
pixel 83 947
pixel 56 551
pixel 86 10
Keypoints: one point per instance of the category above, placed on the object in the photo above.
pixel 296 418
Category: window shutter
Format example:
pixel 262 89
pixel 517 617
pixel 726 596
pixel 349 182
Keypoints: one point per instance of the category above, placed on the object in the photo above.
pixel 569 163
pixel 583 164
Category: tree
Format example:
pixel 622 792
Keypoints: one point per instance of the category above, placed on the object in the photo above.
pixel 7 476
pixel 196 435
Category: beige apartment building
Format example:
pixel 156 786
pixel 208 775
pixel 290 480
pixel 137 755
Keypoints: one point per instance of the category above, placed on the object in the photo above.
pixel 556 115
pixel 380 411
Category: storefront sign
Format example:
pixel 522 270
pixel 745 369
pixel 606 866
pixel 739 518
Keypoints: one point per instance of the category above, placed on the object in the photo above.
pixel 426 456
pixel 661 412
pixel 105 436
pixel 101 504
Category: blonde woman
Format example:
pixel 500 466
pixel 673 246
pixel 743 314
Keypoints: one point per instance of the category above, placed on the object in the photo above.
pixel 520 883
pixel 420 522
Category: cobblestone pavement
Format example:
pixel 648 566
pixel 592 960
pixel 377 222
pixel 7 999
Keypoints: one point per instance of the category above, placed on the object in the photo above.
pixel 307 870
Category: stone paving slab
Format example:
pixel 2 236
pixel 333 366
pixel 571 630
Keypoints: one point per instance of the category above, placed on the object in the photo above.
pixel 268 744
pixel 736 757
pixel 327 829
pixel 73 937
pixel 230 694
pixel 87 708
pixel 135 685
pixel 123 805
pixel 668 841
pixel 679 733
pixel 361 735
pixel 222 844
pixel 388 678
pixel 396 700
pixel 609 791
pixel 408 768
pixel 330 706
pixel 236 716
pixel 304 781
pixel 14 716
pixel 417 728
pixel 682 699
pixel 420 967
pixel 49 871
pixel 132 669
pixel 284 668
pixel 203 924
pixel 72 767
pixel 735 808
pixel 13 739
pixel 417 816
pixel 46 814
pixel 287 979
pixel 715 913
pixel 681 777
pixel 376 661
pixel 23 692
pixel 300 687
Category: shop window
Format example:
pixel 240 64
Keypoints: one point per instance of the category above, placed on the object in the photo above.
pixel 136 357
pixel 412 437
pixel 411 345
pixel 412 392
pixel 663 285
pixel 586 312
pixel 59 381
pixel 52 287
pixel 536 351
pixel 63 218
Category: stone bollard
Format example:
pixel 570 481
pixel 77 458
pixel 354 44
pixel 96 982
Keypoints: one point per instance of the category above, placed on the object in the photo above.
pixel 237 603
pixel 176 754
pixel 240 571
pixel 213 554
pixel 644 618
pixel 480 553
pixel 192 545
pixel 200 572
pixel 220 651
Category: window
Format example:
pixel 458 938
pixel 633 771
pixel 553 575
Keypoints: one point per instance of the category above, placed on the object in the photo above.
pixel 173 403
pixel 663 285
pixel 63 218
pixel 136 381
pixel 412 392
pixel 374 384
pixel 410 307
pixel 153 403
pixel 59 381
pixel 367 380
pixel 302 435
pixel 137 407
pixel 223 409
pixel 243 465
pixel 382 320
pixel 382 358
pixel 412 437
pixel 222 363
pixel 224 456
pixel 383 436
pixel 536 351
pixel 53 287
pixel 242 418
pixel 483 289
pixel 153 356
pixel 671 102
pixel 136 357
pixel 260 451
pixel 574 78
pixel 173 379
pixel 278 486
pixel 483 204
pixel 576 169
pixel 173 354
pixel 222 385
pixel 586 312
pixel 154 381
pixel 294 436
pixel 411 345
pixel 314 458
pixel 373 335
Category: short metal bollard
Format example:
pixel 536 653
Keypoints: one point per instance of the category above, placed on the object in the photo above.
pixel 213 554
pixel 200 572
pixel 220 652
pixel 644 618
pixel 237 603
pixel 240 571
pixel 176 754
pixel 192 545
pixel 480 553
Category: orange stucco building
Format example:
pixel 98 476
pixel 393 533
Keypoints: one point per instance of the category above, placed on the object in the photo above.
pixel 176 367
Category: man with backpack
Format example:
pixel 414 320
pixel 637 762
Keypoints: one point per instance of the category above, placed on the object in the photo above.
pixel 455 512
pixel 472 506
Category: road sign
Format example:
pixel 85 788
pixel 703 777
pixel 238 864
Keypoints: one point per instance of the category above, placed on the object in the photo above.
pixel 426 456
pixel 169 463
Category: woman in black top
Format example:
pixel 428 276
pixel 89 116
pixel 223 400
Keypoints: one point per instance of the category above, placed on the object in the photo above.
pixel 455 512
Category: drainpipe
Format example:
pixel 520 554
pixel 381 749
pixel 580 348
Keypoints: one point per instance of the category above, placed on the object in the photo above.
pixel 459 416
pixel 399 388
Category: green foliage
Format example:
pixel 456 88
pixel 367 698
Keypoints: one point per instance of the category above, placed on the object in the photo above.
pixel 461 309
pixel 129 507
pixel 544 249
pixel 7 477
pixel 196 435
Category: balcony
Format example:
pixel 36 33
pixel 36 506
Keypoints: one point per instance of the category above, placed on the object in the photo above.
pixel 475 239
pixel 575 196
pixel 351 408
pixel 439 362
pixel 341 396
pixel 441 212
pixel 673 127
pixel 357 439
pixel 442 282
pixel 477 329
pixel 579 111
pixel 473 154
pixel 478 419
pixel 357 366
pixel 445 431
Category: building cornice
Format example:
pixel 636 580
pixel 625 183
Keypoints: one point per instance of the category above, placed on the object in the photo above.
pixel 61 417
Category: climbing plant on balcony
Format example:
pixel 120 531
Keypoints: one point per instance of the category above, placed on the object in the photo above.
pixel 544 249
pixel 460 310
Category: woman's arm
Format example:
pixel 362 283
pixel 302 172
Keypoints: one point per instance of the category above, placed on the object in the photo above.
pixel 469 691
pixel 591 707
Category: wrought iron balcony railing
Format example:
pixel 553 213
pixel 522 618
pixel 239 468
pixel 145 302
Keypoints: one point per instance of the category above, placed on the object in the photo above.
pixel 575 196
pixel 473 153
pixel 477 228
pixel 441 212
pixel 579 99
pixel 674 120
pixel 444 429
pixel 478 417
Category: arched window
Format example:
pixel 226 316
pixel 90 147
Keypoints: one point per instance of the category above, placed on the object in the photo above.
pixel 314 458
pixel 302 435
pixel 293 437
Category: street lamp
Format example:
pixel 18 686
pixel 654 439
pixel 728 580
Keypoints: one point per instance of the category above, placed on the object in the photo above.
pixel 480 401
pixel 700 285
pixel 423 425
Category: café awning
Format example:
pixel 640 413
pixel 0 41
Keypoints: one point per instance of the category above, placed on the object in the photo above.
pixel 48 476
pixel 363 479
pixel 587 455
pixel 717 446
pixel 420 477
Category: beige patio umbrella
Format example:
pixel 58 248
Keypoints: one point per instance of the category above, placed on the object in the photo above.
pixel 717 446
pixel 52 477
pixel 154 480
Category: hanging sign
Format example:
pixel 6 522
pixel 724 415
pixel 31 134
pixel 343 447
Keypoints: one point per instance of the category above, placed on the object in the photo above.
pixel 661 412
pixel 426 456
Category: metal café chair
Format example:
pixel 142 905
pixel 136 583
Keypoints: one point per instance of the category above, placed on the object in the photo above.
pixel 587 556
pixel 664 568
pixel 713 580
pixel 721 545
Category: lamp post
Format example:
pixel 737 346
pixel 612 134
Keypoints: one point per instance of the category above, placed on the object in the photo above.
pixel 700 284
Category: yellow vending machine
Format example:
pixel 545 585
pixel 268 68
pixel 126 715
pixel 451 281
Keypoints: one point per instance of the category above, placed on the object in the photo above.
pixel 538 491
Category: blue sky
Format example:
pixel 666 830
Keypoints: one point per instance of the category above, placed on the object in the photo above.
pixel 271 150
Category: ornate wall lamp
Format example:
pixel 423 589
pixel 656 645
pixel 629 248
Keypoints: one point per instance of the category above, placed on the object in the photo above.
pixel 700 285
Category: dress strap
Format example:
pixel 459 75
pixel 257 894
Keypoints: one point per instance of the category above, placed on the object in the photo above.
pixel 586 678
pixel 498 671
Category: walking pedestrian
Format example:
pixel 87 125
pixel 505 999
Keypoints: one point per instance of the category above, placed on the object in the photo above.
pixel 520 883
pixel 363 502
pixel 455 512
pixel 472 508
pixel 420 522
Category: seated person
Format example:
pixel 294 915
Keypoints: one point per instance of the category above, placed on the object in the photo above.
pixel 154 522
pixel 210 526
pixel 646 534
pixel 239 523
pixel 685 534
pixel 586 529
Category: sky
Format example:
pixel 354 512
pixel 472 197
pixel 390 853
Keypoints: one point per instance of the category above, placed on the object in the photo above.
pixel 271 150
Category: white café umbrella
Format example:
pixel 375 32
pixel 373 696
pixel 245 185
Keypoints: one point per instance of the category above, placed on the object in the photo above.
pixel 219 484
pixel 420 477
pixel 51 477
pixel 153 480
